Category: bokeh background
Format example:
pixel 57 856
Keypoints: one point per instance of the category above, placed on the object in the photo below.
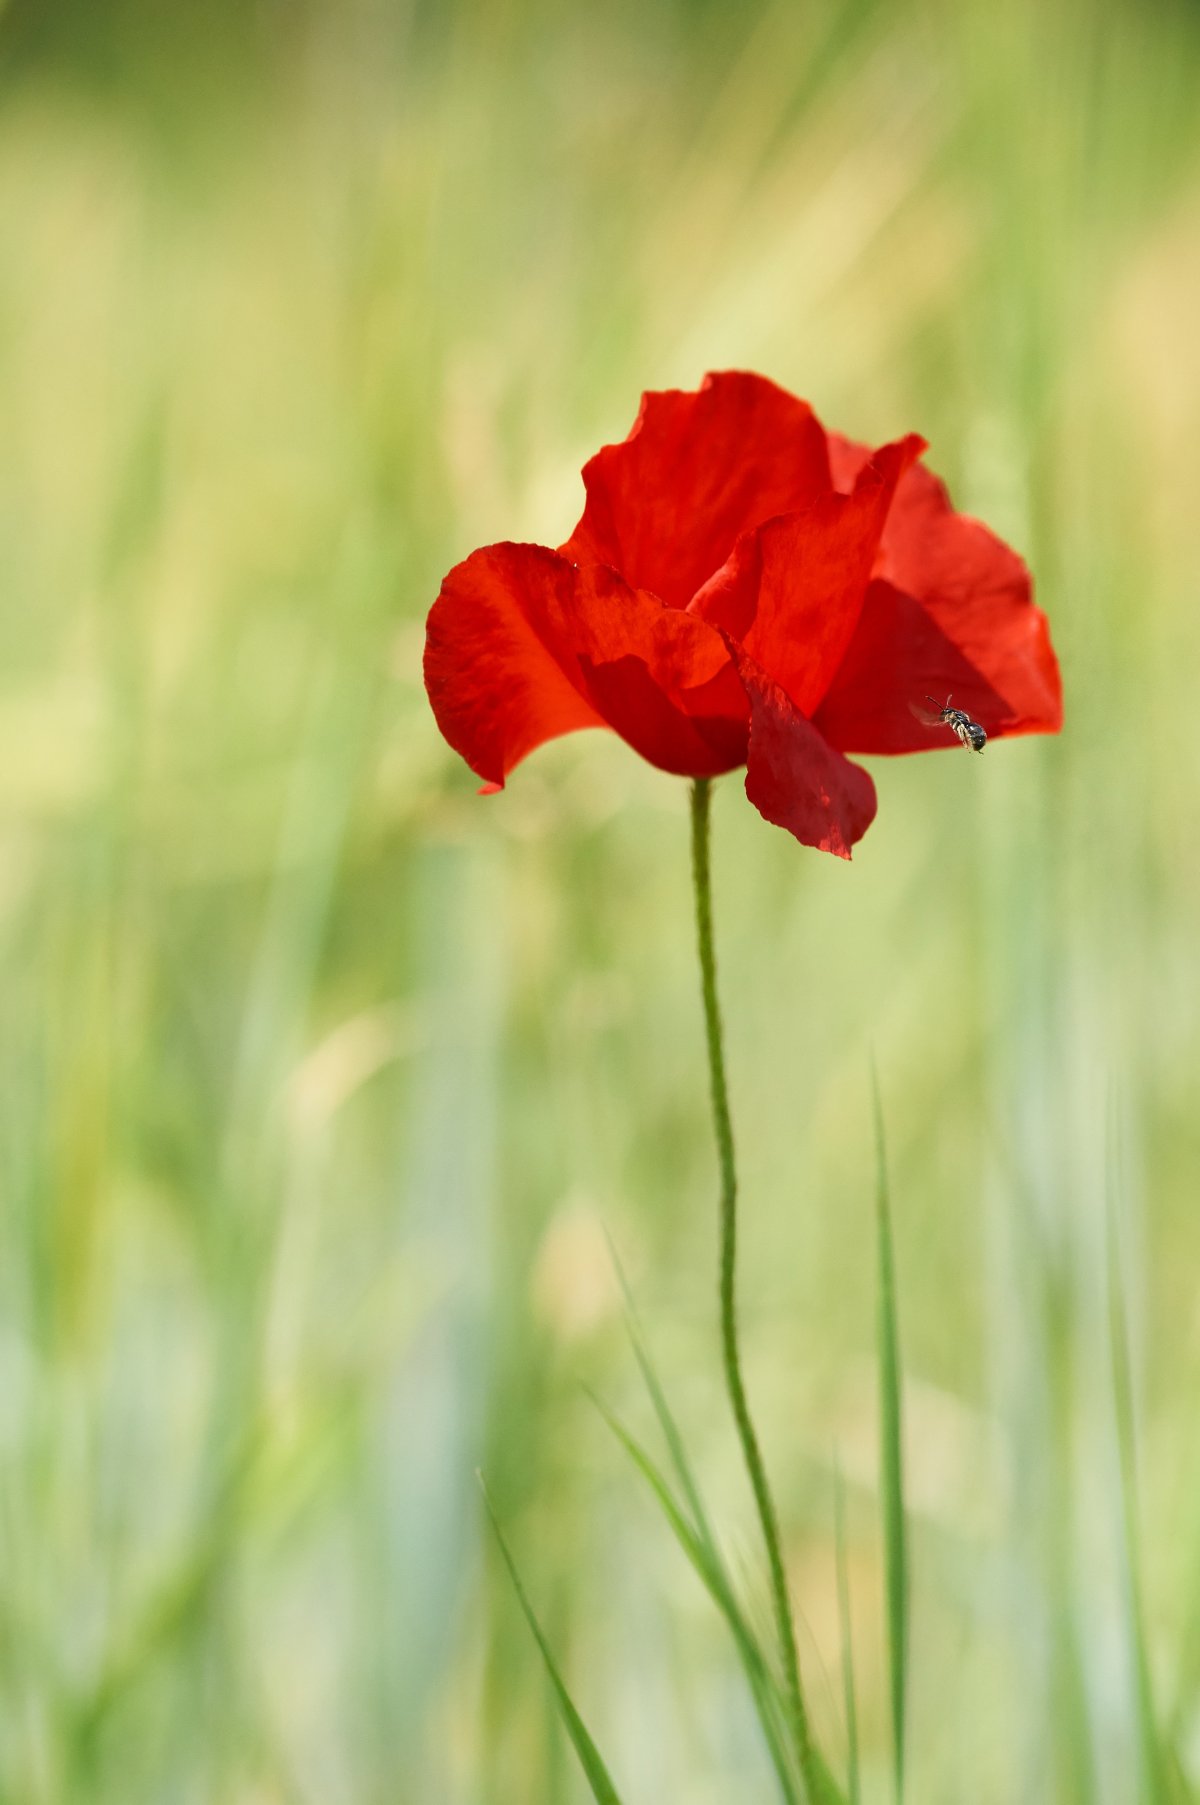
pixel 324 1079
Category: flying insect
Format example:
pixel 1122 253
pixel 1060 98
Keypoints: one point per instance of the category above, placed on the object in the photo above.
pixel 969 732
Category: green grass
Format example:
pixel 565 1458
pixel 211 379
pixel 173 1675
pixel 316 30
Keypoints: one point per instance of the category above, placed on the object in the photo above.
pixel 846 1632
pixel 891 1455
pixel 600 1781
pixel 318 1072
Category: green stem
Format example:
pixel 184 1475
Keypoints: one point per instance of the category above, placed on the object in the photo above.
pixel 702 879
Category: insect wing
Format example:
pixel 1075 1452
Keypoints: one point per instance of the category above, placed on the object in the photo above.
pixel 927 716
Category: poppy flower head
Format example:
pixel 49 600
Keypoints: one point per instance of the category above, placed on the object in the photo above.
pixel 744 588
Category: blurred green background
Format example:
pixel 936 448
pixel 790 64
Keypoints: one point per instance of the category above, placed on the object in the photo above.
pixel 322 1077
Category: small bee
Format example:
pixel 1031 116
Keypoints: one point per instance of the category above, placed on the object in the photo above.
pixel 969 732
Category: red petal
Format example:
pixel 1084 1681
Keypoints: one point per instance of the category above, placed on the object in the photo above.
pixel 951 613
pixel 662 680
pixel 522 646
pixel 497 680
pixel 794 777
pixel 793 589
pixel 846 460
pixel 666 505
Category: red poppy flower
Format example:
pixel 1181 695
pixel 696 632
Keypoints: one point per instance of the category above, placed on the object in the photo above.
pixel 745 588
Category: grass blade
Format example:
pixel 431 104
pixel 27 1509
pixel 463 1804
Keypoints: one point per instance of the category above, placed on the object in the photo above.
pixel 702 1553
pixel 699 1544
pixel 848 1687
pixel 891 1473
pixel 598 1776
pixel 662 1410
pixel 828 1790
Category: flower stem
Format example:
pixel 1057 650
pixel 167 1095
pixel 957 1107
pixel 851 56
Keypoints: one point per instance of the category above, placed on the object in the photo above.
pixel 702 880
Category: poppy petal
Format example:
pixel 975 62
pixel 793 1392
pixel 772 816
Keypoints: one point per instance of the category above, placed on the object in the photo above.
pixel 793 589
pixel 846 459
pixel 663 681
pixel 950 613
pixel 666 506
pixel 522 646
pixel 794 777
pixel 497 680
